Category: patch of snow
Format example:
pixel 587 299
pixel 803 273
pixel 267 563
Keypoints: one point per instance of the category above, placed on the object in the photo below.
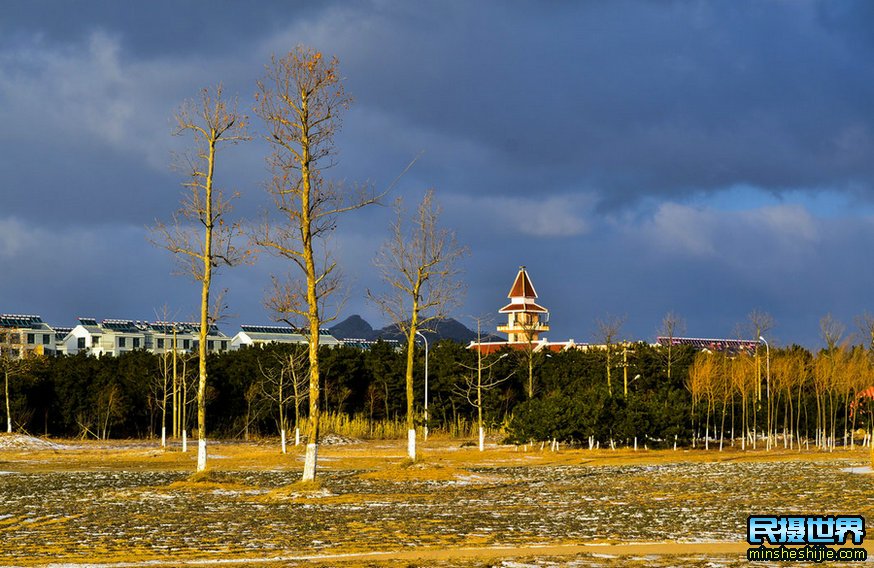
pixel 24 442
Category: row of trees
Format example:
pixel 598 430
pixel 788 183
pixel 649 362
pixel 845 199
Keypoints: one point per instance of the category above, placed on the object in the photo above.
pixel 300 102
pixel 264 391
pixel 826 392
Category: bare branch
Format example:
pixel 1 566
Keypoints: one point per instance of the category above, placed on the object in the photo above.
pixel 213 123
pixel 420 266
pixel 301 99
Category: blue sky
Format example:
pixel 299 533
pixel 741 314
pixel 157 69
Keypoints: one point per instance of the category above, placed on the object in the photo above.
pixel 638 157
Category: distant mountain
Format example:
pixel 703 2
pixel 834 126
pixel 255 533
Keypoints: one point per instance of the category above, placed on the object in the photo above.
pixel 443 329
pixel 355 327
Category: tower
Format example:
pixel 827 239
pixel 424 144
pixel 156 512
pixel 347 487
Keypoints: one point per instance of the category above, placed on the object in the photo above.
pixel 525 318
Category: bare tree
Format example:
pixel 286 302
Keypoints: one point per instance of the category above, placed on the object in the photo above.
pixel 161 389
pixel 865 323
pixel 300 100
pixel 212 122
pixel 12 364
pixel 608 330
pixel 758 324
pixel 186 390
pixel 831 331
pixel 284 384
pixel 474 387
pixel 529 348
pixel 703 376
pixel 827 376
pixel 420 266
pixel 672 324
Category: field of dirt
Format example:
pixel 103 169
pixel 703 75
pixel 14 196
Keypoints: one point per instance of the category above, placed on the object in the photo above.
pixel 131 504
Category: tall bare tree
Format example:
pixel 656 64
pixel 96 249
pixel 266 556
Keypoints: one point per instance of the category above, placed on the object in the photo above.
pixel 301 99
pixel 608 329
pixel 672 324
pixel 419 264
pixel 212 122
pixel 758 324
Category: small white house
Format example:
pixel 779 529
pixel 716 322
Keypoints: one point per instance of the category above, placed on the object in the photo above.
pixel 251 335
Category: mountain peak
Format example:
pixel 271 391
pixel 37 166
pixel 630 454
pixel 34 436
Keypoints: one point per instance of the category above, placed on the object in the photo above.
pixel 355 327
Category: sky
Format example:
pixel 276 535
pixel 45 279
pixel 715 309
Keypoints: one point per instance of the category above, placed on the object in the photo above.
pixel 704 158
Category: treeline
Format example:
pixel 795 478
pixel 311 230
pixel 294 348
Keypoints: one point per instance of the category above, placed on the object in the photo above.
pixel 792 395
pixel 789 398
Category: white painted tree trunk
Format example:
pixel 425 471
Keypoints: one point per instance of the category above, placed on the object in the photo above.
pixel 411 444
pixel 163 436
pixel 201 454
pixel 482 439
pixel 635 443
pixel 675 442
pixel 309 465
pixel 297 436
pixel 284 451
pixel 184 441
pixel 8 412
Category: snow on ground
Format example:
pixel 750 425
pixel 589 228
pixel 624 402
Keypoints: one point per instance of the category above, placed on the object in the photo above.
pixel 24 442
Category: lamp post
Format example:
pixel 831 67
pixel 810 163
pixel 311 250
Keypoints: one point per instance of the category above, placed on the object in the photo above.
pixel 768 385
pixel 425 339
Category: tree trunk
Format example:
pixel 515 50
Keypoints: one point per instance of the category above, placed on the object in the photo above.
pixel 531 369
pixel 479 402
pixel 282 413
pixel 204 312
pixel 183 409
pixel 176 418
pixel 411 346
pixel 8 412
pixel 306 225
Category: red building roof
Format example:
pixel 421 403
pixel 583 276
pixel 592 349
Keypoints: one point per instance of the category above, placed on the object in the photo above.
pixel 490 347
pixel 522 307
pixel 522 287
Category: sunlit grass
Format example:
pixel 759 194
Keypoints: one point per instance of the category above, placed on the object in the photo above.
pixel 126 501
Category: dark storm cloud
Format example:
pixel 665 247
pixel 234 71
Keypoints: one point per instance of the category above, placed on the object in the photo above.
pixel 629 99
pixel 159 27
pixel 570 137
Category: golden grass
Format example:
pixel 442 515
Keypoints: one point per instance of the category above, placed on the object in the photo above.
pixel 443 459
pixel 386 455
pixel 360 426
pixel 416 471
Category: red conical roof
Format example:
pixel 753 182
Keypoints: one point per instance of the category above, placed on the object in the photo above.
pixel 522 287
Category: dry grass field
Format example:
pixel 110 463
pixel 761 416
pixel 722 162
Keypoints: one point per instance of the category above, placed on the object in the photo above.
pixel 130 503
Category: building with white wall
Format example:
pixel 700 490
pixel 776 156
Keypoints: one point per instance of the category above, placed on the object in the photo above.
pixel 22 335
pixel 252 335
pixel 115 336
